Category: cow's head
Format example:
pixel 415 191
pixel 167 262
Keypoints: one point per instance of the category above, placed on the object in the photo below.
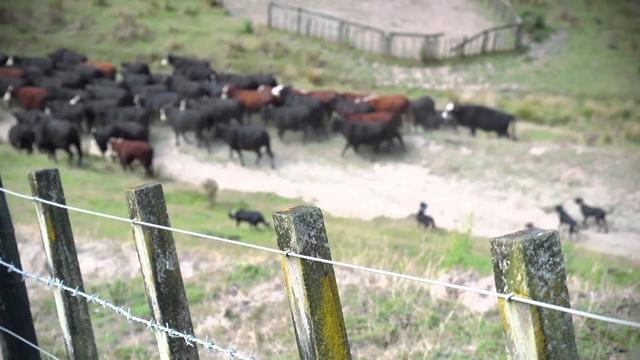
pixel 75 100
pixel 277 91
pixel 448 109
pixel 101 136
pixel 183 105
pixel 163 115
pixel 232 213
pixel 224 93
pixel 165 61
pixel 10 61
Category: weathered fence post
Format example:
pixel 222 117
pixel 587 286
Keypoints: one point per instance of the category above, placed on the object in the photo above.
pixel 15 313
pixel 161 270
pixel 62 258
pixel 530 264
pixel 311 286
pixel 519 34
pixel 485 41
pixel 341 32
pixel 299 23
pixel 270 15
pixel 387 41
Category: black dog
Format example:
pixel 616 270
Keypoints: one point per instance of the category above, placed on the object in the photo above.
pixel 595 212
pixel 252 217
pixel 424 219
pixel 566 219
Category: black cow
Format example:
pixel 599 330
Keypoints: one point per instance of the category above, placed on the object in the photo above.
pixel 315 118
pixel 372 133
pixel 156 101
pixel 590 211
pixel 31 117
pixel 215 111
pixel 246 137
pixel 124 130
pixel 108 92
pixel 64 57
pixel 246 82
pixel 44 63
pixel 76 114
pixel 187 88
pixel 252 217
pixel 178 61
pixel 481 117
pixel 131 80
pixel 136 114
pixel 293 118
pixel 58 134
pixel 22 137
pixel 136 68
pixel 424 111
pixel 183 120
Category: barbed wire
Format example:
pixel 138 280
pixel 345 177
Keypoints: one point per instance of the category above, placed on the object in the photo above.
pixel 151 325
pixel 50 355
pixel 289 253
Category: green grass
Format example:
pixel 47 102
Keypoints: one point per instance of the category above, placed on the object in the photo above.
pixel 390 319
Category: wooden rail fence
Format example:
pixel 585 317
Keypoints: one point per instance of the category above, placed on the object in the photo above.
pixel 528 264
pixel 406 45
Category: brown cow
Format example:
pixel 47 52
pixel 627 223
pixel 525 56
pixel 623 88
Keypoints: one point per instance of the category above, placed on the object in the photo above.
pixel 107 69
pixel 352 96
pixel 252 100
pixel 398 104
pixel 11 71
pixel 130 150
pixel 372 116
pixel 30 97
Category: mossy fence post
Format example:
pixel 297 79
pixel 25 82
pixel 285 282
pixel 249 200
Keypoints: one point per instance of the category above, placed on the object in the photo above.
pixel 62 258
pixel 311 286
pixel 529 264
pixel 15 313
pixel 161 270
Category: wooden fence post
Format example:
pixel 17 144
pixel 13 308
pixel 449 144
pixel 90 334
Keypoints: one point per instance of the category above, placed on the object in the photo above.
pixel 269 15
pixel 62 258
pixel 485 41
pixel 341 32
pixel 518 35
pixel 530 264
pixel 161 270
pixel 299 23
pixel 15 313
pixel 311 286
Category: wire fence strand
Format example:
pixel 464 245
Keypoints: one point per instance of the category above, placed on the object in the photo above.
pixel 151 325
pixel 43 351
pixel 289 253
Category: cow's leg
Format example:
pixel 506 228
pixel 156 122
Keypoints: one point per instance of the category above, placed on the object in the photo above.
pixel 473 131
pixel 345 148
pixel 69 153
pixel 270 153
pixel 399 137
pixel 584 222
pixel 177 137
pixel 240 156
pixel 259 156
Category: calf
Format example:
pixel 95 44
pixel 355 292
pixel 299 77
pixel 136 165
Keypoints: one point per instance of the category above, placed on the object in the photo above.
pixel 64 56
pixel 424 219
pixel 183 120
pixel 246 137
pixel 58 134
pixel 130 150
pixel 597 213
pixel 216 111
pixel 22 137
pixel 249 216
pixel 566 219
pixel 481 117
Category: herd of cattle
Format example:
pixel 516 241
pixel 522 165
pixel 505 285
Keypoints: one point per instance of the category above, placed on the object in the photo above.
pixel 65 94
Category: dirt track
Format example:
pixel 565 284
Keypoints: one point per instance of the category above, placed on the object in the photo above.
pixel 455 18
pixel 487 186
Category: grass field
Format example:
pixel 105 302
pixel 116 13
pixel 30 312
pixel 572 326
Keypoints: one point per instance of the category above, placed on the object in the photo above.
pixel 585 85
pixel 384 318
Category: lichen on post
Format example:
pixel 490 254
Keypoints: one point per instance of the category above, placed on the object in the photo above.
pixel 529 264
pixel 62 258
pixel 311 286
pixel 161 270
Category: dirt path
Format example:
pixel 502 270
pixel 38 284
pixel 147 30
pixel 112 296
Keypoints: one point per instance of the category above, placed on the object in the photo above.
pixel 483 185
pixel 454 17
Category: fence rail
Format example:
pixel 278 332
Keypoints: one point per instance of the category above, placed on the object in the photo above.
pixel 406 45
pixel 533 299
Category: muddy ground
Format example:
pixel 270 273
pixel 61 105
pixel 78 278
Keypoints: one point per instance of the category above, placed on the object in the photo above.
pixel 484 185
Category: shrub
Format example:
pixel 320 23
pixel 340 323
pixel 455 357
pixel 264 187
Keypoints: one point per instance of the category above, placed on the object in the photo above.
pixel 247 27
pixel 211 189
pixel 535 25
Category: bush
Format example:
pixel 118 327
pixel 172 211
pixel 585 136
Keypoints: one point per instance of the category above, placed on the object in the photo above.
pixel 535 25
pixel 247 27
pixel 211 189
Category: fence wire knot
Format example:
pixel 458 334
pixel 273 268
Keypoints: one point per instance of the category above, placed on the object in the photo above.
pixel 510 297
